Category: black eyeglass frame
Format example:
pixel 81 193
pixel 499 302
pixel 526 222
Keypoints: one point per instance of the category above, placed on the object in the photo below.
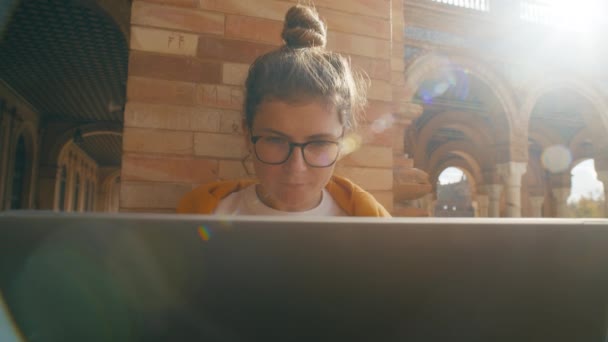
pixel 302 146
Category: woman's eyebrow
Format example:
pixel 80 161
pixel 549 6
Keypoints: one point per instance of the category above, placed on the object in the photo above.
pixel 270 130
pixel 322 136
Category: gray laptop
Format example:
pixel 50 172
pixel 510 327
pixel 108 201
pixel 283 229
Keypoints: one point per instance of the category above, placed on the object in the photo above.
pixel 203 278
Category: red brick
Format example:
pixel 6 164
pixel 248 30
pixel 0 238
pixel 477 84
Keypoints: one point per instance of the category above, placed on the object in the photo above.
pixel 231 50
pixel 397 64
pixel 160 91
pixel 375 8
pixel 380 90
pixel 367 178
pixel 357 45
pixel 377 133
pixel 385 198
pixel 175 68
pixel 397 78
pixel 157 141
pixel 369 156
pixel 363 25
pixel 269 9
pixel 164 169
pixel 163 41
pixel 172 117
pixel 377 109
pixel 254 29
pixel 152 195
pixel 228 146
pixel 232 169
pixel 177 3
pixel 231 122
pixel 147 14
pixel 219 96
pixel 235 74
pixel 374 68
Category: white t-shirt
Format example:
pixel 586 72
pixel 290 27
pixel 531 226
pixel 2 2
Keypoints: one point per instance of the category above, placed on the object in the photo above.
pixel 246 202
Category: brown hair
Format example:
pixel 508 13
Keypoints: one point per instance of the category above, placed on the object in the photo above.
pixel 303 70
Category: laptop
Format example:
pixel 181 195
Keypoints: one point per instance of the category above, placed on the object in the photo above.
pixel 131 277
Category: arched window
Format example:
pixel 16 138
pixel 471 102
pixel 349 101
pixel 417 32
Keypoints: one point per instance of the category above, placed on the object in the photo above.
pixel 76 192
pixel 453 194
pixel 62 187
pixel 19 170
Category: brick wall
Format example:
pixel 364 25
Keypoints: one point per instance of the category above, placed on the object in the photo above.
pixel 187 64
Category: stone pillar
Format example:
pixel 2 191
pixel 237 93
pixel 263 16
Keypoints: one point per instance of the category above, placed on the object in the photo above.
pixel 511 173
pixel 475 207
pixel 561 201
pixel 482 205
pixel 493 191
pixel 47 190
pixel 536 205
pixel 602 176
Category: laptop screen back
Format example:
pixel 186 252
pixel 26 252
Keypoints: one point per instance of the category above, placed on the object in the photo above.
pixel 165 277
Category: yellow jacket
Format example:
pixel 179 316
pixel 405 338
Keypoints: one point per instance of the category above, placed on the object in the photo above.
pixel 350 197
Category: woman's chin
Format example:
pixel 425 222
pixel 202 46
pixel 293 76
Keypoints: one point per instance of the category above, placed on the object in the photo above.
pixel 297 202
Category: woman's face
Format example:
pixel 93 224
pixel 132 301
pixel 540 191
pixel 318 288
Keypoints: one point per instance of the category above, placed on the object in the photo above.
pixel 293 185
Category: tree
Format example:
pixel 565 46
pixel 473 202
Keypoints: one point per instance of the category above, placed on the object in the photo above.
pixel 587 207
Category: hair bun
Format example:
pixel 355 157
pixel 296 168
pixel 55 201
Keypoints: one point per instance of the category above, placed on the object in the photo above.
pixel 303 28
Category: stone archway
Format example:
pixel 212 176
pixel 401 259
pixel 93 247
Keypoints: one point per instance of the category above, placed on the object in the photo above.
pixel 595 118
pixel 55 141
pixel 27 131
pixel 429 64
pixel 597 124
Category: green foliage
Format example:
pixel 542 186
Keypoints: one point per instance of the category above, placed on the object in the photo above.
pixel 587 207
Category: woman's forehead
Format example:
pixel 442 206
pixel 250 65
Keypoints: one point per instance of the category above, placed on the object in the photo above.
pixel 298 119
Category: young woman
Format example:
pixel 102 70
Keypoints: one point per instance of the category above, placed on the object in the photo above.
pixel 300 101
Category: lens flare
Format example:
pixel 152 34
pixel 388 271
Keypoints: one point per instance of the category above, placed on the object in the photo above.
pixel 556 158
pixel 204 233
pixel 382 123
pixel 351 143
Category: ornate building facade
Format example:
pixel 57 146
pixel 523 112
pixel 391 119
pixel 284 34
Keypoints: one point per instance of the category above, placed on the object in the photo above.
pixel 115 105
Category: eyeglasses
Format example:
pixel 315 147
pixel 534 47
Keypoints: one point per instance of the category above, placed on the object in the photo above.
pixel 277 150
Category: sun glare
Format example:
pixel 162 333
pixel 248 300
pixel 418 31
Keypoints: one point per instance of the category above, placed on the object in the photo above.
pixel 579 16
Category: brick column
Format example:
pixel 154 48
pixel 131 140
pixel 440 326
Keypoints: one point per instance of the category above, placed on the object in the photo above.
pixel 494 191
pixel 188 62
pixel 561 201
pixel 482 205
pixel 536 205
pixel 511 173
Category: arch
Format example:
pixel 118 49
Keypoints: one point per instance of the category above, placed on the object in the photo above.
pixel 545 137
pixel 27 130
pixel 545 85
pixel 61 141
pixel 457 153
pixel 430 63
pixel 462 121
pixel 578 145
pixel 462 165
